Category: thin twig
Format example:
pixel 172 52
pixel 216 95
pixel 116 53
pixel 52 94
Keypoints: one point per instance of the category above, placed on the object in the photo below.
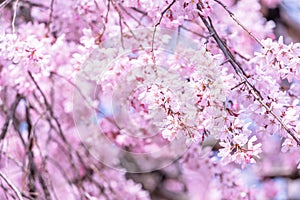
pixel 99 38
pixel 123 19
pixel 238 85
pixel 60 132
pixel 191 31
pixel 5 126
pixel 121 32
pixel 89 104
pixel 129 14
pixel 159 21
pixel 50 16
pixel 14 16
pixel 80 92
pixel 139 11
pixel 154 32
pixel 238 22
pixel 48 106
pixel 164 12
pixel 9 116
pixel 242 56
pixel 11 185
pixel 31 163
pixel 4 3
pixel 252 89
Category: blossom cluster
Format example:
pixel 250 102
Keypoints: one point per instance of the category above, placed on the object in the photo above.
pixel 176 12
pixel 93 90
pixel 242 150
pixel 279 57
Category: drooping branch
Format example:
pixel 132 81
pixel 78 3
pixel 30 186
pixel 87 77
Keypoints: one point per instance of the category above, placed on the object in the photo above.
pixel 49 108
pixel 50 16
pixel 159 21
pixel 4 3
pixel 238 22
pixel 32 166
pixel 11 185
pixel 9 116
pixel 239 71
pixel 57 123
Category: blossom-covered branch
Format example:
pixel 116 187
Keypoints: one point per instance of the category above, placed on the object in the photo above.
pixel 238 69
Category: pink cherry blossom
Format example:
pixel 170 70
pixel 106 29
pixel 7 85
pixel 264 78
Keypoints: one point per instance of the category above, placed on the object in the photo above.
pixel 139 99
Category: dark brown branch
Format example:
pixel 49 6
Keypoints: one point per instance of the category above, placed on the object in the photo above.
pixel 11 185
pixel 164 12
pixel 9 116
pixel 49 108
pixel 238 85
pixel 159 21
pixel 31 163
pixel 122 20
pixel 238 69
pixel 5 127
pixel 60 132
pixel 139 11
pixel 98 40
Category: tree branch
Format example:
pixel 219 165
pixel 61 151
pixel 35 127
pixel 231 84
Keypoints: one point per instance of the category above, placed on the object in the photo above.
pixel 159 21
pixel 4 3
pixel 238 22
pixel 239 71
pixel 11 185
pixel 50 16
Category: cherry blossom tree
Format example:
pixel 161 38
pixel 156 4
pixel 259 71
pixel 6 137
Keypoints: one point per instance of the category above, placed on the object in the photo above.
pixel 136 99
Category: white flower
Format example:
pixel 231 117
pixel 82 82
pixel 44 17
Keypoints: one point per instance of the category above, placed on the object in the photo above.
pixel 240 139
pixel 168 134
